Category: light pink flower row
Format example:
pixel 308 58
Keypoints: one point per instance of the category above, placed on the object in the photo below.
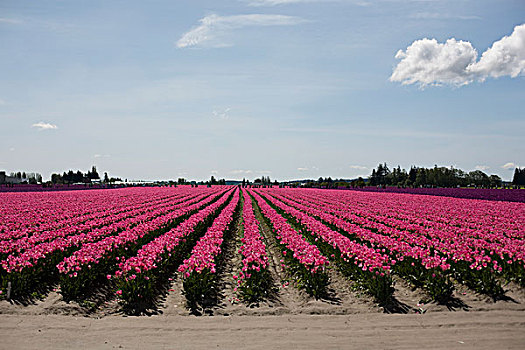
pixel 306 253
pixel 24 214
pixel 207 249
pixel 401 247
pixel 151 254
pixel 114 217
pixel 38 253
pixel 253 249
pixel 479 247
pixel 365 257
pixel 92 253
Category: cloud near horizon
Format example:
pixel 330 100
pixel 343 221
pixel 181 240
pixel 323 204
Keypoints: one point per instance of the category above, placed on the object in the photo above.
pixel 358 167
pixel 261 3
pixel 10 20
pixel 44 126
pixel 509 166
pixel 482 167
pixel 213 28
pixel 428 62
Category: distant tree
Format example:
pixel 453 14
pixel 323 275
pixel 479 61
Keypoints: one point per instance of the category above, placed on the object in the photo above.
pixel 495 181
pixel 93 174
pixel 412 175
pixel 106 178
pixel 519 177
pixel 360 182
pixel 421 177
pixel 479 178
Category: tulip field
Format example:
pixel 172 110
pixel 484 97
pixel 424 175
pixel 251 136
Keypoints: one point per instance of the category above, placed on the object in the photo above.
pixel 135 244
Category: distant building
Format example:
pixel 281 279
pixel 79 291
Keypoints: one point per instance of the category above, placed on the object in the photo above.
pixel 4 179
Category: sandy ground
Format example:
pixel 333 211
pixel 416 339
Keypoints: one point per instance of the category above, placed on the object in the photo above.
pixel 462 330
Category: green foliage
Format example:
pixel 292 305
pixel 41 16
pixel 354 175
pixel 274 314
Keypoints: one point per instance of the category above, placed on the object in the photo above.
pixel 436 283
pixel 35 278
pixel 314 283
pixel 483 281
pixel 200 289
pixel 431 177
pixel 257 287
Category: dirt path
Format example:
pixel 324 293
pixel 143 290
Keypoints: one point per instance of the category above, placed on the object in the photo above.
pixel 461 330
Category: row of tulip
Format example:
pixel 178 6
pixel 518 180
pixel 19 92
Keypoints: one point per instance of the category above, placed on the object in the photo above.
pixel 305 260
pixel 487 235
pixel 504 218
pixel 140 276
pixel 253 281
pixel 21 215
pixel 471 250
pixel 366 266
pixel 94 261
pixel 492 194
pixel 37 266
pixel 16 246
pixel 81 216
pixel 463 258
pixel 417 264
pixel 200 269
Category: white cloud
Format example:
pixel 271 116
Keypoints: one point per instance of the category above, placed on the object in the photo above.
pixel 240 171
pixel 215 172
pixel 250 172
pixel 101 156
pixel 505 57
pixel 213 28
pixel 482 167
pixel 358 167
pixel 259 3
pixel 438 15
pixel 44 126
pixel 428 62
pixel 279 2
pixel 221 115
pixel 509 166
pixel 302 169
pixel 12 149
pixel 10 20
pixel 2 102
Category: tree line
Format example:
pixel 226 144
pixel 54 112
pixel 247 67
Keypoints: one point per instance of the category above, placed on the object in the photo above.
pixel 431 177
pixel 71 177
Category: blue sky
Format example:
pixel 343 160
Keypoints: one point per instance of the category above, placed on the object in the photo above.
pixel 282 88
